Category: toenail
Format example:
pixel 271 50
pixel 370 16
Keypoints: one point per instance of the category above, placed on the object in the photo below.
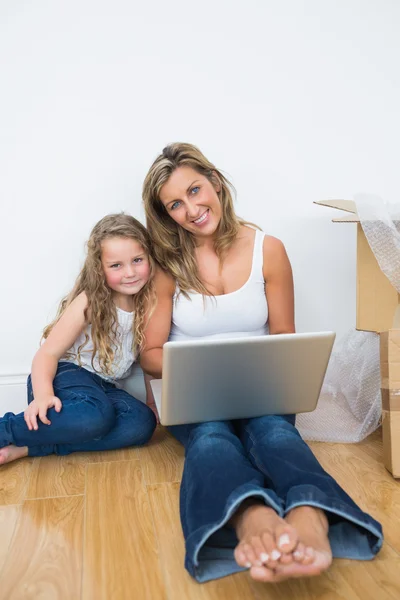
pixel 248 565
pixel 298 555
pixel 284 540
pixel 275 554
pixel 264 557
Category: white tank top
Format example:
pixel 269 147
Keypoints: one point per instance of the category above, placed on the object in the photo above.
pixel 239 314
pixel 123 351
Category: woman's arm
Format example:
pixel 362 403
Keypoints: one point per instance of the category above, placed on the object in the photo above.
pixel 278 286
pixel 158 327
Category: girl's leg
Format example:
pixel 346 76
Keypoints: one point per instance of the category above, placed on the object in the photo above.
pixel 86 413
pixel 134 424
pixel 218 478
pixel 276 449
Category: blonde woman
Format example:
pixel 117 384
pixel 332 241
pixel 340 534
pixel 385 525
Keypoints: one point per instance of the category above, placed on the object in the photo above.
pixel 253 496
pixel 74 404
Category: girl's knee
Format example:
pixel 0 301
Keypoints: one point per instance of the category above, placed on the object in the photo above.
pixel 148 429
pixel 92 419
pixel 140 429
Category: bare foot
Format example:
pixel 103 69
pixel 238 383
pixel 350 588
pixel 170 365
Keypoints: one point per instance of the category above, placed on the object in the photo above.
pixel 312 554
pixel 265 539
pixel 11 452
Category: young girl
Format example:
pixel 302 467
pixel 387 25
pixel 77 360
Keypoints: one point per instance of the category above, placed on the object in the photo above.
pixel 74 404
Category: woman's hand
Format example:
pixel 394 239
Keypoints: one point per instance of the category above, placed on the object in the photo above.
pixel 40 408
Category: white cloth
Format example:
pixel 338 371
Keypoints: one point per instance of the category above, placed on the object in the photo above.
pixel 123 351
pixel 239 314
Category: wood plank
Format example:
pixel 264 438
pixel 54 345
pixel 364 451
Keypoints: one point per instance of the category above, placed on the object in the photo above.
pixel 162 458
pixel 109 455
pixel 375 580
pixel 324 587
pixel 8 519
pixel 361 581
pixel 45 556
pixel 55 475
pixel 14 478
pixel 120 550
pixel 372 445
pixel 164 499
pixel 367 482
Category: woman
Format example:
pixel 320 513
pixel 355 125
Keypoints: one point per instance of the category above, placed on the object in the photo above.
pixel 253 495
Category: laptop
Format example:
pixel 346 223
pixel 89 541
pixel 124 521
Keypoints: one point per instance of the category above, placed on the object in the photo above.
pixel 239 378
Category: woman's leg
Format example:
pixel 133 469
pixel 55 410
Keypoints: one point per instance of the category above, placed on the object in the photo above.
pixel 275 447
pixel 218 479
pixel 86 413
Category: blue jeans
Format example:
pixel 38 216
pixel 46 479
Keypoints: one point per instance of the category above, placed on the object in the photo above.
pixel 95 415
pixel 265 458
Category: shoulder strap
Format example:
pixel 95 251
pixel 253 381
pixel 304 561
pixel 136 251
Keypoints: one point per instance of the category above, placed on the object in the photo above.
pixel 258 258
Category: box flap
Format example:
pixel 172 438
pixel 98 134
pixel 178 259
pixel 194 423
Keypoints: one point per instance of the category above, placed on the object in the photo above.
pixel 346 205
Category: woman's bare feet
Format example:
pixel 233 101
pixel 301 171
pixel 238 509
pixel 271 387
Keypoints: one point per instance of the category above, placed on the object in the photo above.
pixel 10 453
pixel 312 554
pixel 266 540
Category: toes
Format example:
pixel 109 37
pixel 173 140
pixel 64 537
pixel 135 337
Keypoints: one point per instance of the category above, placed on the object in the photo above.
pixel 245 556
pixel 241 556
pixel 298 554
pixel 3 456
pixel 272 554
pixel 309 556
pixel 262 574
pixel 259 551
pixel 286 539
pixel 286 559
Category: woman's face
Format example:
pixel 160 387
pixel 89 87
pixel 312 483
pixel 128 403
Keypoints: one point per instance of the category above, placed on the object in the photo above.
pixel 192 201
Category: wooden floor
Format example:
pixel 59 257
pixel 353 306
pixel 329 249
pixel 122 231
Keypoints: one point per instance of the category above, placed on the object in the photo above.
pixel 106 527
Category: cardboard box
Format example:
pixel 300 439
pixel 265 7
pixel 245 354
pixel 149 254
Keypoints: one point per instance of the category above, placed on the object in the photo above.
pixel 390 388
pixel 377 299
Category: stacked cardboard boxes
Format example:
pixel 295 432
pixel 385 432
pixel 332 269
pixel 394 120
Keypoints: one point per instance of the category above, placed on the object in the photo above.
pixel 378 310
pixel 390 387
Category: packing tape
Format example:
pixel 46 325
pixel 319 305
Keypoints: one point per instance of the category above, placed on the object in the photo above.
pixel 390 399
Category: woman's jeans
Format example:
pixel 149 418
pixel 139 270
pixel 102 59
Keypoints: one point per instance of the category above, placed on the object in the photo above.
pixel 265 458
pixel 95 415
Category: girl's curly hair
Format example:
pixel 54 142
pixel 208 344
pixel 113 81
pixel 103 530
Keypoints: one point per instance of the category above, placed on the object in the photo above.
pixel 101 312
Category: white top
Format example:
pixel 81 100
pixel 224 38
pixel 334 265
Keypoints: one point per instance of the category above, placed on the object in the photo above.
pixel 123 352
pixel 239 314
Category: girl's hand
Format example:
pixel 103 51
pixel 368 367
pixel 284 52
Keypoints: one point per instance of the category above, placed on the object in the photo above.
pixel 40 408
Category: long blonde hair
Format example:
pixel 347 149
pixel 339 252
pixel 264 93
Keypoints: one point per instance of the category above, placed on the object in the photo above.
pixel 174 247
pixel 101 311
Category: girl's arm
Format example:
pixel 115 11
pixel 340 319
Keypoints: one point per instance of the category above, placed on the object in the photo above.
pixel 158 327
pixel 45 361
pixel 278 286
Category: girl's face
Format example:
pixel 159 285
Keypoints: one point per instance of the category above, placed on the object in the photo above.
pixel 125 264
pixel 192 201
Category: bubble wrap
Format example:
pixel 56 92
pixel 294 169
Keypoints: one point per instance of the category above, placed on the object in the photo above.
pixel 349 407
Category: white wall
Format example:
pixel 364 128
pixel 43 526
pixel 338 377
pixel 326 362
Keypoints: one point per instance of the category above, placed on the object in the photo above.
pixel 295 101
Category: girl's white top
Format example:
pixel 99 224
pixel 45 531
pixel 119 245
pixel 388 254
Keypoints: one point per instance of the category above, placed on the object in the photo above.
pixel 123 351
pixel 239 314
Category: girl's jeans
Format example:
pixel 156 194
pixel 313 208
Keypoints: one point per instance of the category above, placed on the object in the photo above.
pixel 264 457
pixel 95 415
